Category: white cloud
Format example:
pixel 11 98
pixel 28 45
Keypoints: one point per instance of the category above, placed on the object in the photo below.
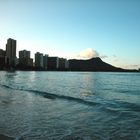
pixel 87 54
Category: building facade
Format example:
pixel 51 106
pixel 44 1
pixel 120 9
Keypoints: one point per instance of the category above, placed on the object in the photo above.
pixel 53 63
pixel 2 59
pixel 24 59
pixel 67 64
pixel 2 53
pixel 63 64
pixel 11 52
pixel 45 61
pixel 24 54
pixel 38 60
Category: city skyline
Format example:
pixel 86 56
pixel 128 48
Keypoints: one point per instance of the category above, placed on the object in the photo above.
pixel 43 62
pixel 75 29
pixel 10 61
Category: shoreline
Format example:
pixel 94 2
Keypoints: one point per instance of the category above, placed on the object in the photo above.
pixel 131 71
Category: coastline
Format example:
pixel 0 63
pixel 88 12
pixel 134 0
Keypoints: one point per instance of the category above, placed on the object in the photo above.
pixel 131 71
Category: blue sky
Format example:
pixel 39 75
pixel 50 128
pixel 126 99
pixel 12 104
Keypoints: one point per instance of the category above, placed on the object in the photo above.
pixel 75 28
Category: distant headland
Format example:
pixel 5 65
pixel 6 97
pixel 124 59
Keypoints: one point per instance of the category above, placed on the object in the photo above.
pixel 9 61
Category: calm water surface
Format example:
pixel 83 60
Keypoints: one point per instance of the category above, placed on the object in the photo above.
pixel 70 105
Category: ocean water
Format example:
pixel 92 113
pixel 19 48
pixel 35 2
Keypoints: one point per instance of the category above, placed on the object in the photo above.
pixel 70 105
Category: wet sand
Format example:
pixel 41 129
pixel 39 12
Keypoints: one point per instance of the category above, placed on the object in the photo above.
pixel 3 137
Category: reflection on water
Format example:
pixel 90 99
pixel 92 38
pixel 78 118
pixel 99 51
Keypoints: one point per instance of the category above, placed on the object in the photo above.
pixel 70 105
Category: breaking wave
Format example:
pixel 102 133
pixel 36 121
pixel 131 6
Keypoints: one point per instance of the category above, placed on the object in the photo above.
pixel 115 106
pixel 53 96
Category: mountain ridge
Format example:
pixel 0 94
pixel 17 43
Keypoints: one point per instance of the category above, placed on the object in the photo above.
pixel 93 64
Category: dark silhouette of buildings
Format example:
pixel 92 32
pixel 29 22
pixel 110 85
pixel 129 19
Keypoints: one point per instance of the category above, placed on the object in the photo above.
pixel 39 60
pixel 63 64
pixel 24 54
pixel 53 63
pixel 8 60
pixel 45 61
pixel 2 53
pixel 25 62
pixel 2 58
pixel 11 52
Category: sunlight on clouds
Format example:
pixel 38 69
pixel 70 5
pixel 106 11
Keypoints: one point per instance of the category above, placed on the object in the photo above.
pixel 87 54
pixel 52 49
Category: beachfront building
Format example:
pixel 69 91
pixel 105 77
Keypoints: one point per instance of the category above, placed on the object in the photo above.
pixel 38 60
pixel 63 64
pixel 66 64
pixel 24 59
pixel 53 63
pixel 2 53
pixel 11 52
pixel 2 58
pixel 45 61
pixel 24 54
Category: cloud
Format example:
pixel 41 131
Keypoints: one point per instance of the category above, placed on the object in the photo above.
pixel 87 54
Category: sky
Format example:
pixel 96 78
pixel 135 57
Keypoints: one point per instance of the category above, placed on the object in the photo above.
pixel 79 29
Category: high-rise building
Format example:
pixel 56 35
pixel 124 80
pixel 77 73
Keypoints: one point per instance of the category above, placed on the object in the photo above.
pixel 11 52
pixel 45 61
pixel 2 53
pixel 24 59
pixel 2 59
pixel 24 54
pixel 66 64
pixel 63 64
pixel 53 63
pixel 39 60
